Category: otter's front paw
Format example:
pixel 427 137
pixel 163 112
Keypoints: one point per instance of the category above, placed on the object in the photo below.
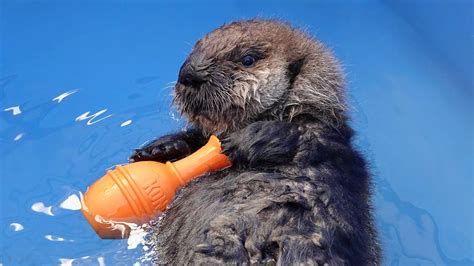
pixel 262 143
pixel 167 148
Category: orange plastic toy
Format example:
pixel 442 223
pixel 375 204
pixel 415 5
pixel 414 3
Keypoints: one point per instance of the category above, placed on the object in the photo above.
pixel 137 192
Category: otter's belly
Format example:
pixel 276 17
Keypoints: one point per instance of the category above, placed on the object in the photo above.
pixel 226 215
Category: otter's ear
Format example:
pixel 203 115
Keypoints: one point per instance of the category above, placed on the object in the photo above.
pixel 294 69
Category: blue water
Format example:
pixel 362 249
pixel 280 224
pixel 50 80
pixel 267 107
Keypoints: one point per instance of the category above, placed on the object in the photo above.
pixel 409 74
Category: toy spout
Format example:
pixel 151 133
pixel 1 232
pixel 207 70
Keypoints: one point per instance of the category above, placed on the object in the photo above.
pixel 134 194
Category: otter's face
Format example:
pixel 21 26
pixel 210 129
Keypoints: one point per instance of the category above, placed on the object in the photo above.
pixel 233 75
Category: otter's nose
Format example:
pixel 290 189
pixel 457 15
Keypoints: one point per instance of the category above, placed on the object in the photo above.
pixel 188 76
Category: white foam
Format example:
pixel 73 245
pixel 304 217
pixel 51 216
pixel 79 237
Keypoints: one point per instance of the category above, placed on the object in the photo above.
pixel 71 203
pixel 91 118
pixel 101 261
pixel 16 227
pixel 15 110
pixel 126 123
pixel 137 232
pixel 136 237
pixel 64 95
pixel 41 208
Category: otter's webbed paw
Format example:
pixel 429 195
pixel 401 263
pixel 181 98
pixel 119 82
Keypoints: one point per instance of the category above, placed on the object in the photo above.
pixel 169 147
pixel 263 143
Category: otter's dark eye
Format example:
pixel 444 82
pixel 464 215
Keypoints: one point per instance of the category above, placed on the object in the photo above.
pixel 247 61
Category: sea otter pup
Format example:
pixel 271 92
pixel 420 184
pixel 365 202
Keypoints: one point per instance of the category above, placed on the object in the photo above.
pixel 298 192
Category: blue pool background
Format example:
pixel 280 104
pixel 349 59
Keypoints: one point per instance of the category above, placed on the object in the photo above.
pixel 409 72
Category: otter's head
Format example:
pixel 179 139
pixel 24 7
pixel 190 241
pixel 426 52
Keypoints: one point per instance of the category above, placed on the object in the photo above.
pixel 258 70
